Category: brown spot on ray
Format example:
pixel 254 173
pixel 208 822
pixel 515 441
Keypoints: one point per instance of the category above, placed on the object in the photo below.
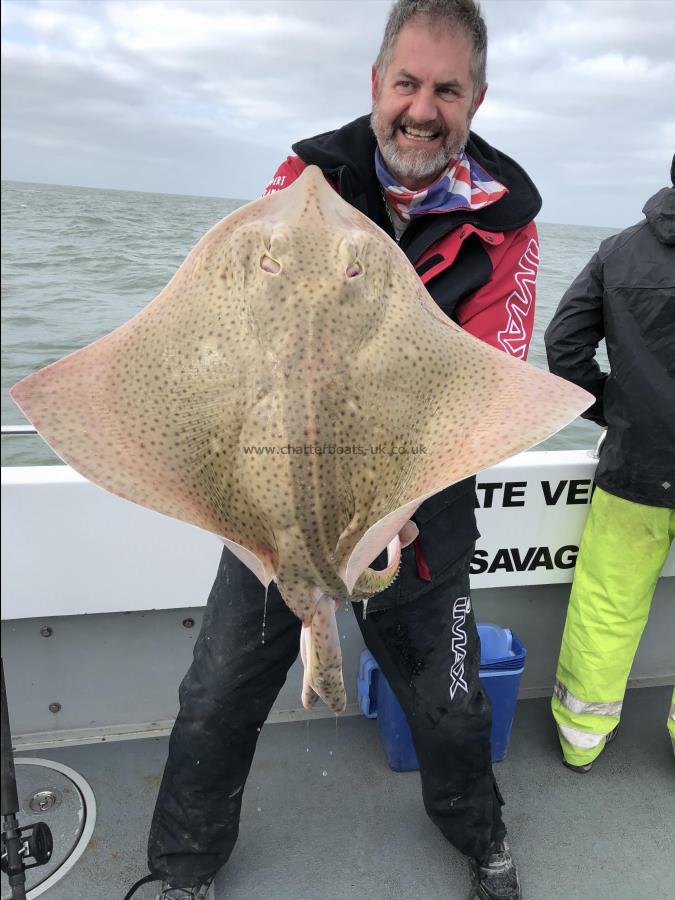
pixel 295 322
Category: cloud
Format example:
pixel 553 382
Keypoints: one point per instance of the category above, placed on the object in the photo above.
pixel 579 94
pixel 207 97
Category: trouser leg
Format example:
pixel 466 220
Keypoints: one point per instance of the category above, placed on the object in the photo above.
pixel 429 652
pixel 224 701
pixel 623 550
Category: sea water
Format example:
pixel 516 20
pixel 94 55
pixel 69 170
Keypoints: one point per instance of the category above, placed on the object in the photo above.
pixel 79 262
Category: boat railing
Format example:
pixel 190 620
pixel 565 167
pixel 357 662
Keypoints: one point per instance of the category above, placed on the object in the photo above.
pixel 598 446
pixel 13 430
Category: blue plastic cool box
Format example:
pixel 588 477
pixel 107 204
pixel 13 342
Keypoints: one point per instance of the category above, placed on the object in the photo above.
pixel 502 660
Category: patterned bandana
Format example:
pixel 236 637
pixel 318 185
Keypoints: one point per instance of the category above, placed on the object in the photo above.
pixel 463 185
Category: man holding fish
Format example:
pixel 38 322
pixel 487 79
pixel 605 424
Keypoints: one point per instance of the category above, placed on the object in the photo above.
pixel 464 215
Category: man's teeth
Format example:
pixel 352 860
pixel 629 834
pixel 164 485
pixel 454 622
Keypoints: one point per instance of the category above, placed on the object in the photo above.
pixel 419 134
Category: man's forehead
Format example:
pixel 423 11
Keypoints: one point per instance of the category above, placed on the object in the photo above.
pixel 422 52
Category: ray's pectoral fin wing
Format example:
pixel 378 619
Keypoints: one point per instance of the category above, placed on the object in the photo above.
pixel 481 407
pixel 153 412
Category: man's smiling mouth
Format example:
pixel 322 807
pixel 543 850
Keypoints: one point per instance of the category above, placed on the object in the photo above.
pixel 419 134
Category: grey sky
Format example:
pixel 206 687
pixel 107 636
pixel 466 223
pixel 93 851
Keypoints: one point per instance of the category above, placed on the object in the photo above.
pixel 206 96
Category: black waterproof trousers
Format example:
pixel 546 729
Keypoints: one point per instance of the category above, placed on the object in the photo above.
pixel 429 651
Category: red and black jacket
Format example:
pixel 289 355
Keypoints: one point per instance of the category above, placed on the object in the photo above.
pixel 479 266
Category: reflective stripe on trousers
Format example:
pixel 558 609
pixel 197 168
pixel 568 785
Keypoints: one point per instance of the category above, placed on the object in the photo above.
pixel 623 550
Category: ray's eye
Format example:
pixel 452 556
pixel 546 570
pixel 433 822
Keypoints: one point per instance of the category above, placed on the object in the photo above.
pixel 269 264
pixel 354 269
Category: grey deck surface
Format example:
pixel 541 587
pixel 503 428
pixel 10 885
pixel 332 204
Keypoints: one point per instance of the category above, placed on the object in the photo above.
pixel 324 818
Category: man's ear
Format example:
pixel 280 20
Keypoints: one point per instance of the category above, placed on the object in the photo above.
pixel 374 84
pixel 479 99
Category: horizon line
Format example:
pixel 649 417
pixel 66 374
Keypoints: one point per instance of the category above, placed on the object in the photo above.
pixel 88 187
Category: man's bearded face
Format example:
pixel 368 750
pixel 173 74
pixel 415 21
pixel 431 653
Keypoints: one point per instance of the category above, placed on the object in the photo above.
pixel 423 103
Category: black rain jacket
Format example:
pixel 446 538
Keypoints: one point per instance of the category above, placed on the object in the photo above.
pixel 626 295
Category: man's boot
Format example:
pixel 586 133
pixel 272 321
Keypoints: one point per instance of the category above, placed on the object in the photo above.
pixel 495 877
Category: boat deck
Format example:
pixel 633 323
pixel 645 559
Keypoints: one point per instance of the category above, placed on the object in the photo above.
pixel 324 818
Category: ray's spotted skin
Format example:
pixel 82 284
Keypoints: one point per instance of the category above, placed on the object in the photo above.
pixel 295 323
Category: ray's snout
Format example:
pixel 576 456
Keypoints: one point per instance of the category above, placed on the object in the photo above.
pixel 312 200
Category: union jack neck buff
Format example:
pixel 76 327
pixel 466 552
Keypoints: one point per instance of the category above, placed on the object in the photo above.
pixel 463 185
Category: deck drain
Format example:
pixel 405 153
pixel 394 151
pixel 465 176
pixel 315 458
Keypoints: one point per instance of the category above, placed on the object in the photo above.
pixel 57 795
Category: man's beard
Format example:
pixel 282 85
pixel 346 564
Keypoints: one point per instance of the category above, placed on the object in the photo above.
pixel 413 162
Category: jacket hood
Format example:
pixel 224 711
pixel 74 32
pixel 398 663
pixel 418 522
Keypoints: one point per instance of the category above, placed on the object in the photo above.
pixel 660 213
pixel 349 153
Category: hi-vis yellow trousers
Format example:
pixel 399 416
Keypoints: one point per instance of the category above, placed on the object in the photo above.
pixel 623 550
